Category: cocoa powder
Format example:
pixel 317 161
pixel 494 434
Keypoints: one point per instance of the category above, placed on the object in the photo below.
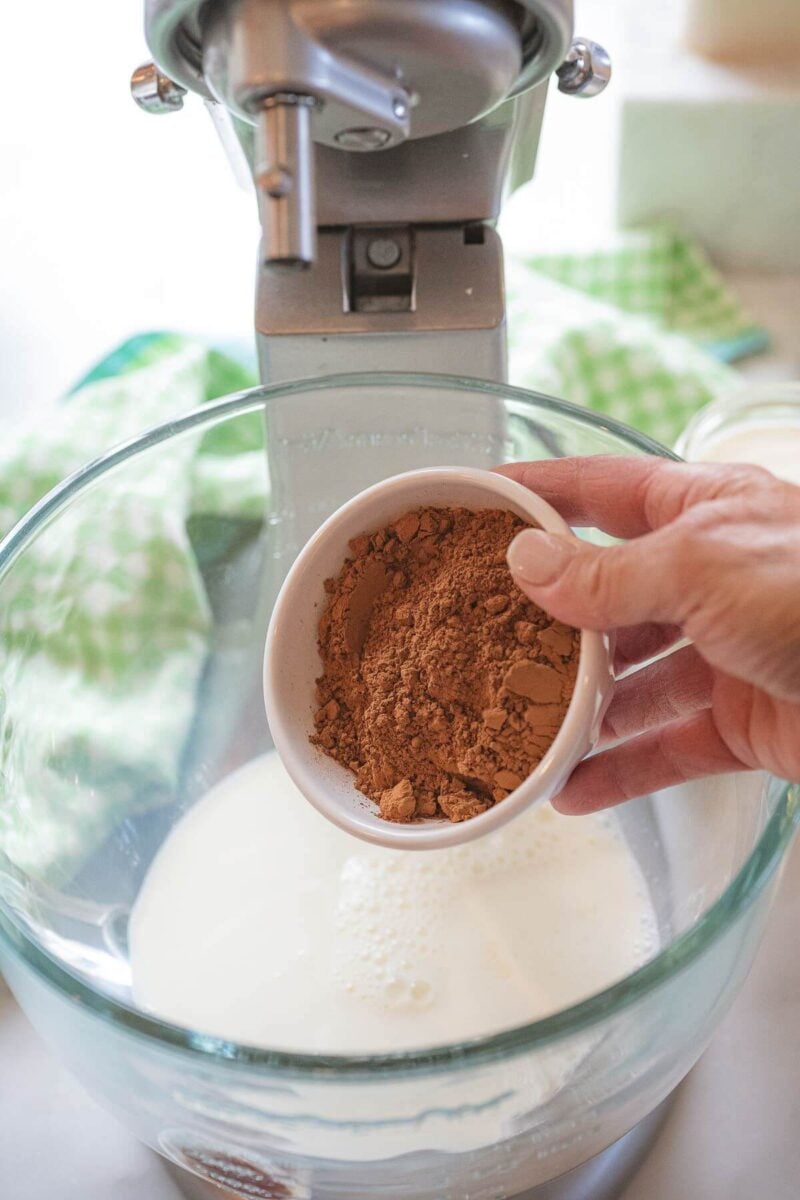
pixel 443 685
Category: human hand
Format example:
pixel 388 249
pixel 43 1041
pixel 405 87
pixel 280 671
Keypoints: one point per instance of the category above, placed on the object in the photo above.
pixel 713 556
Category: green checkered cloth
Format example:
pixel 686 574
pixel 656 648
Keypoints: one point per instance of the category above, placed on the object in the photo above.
pixel 626 330
pixel 87 675
pixel 640 329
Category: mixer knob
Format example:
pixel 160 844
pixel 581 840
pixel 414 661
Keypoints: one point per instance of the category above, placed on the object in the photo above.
pixel 585 71
pixel 154 92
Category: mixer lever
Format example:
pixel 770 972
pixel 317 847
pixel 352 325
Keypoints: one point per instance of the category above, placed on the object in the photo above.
pixel 283 170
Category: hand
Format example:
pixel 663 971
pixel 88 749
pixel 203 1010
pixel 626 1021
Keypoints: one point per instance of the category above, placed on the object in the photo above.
pixel 713 556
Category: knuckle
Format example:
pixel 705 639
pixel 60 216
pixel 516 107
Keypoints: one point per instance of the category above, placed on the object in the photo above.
pixel 659 499
pixel 679 489
pixel 702 521
pixel 746 477
pixel 737 490
pixel 719 480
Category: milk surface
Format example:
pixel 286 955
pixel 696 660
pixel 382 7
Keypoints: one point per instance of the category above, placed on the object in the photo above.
pixel 261 922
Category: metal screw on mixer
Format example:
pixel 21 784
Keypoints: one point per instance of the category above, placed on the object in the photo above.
pixel 383 253
pixel 154 92
pixel 585 71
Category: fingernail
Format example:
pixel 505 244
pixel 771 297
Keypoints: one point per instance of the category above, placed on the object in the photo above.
pixel 540 558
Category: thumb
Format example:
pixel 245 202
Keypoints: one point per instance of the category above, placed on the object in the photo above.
pixel 599 587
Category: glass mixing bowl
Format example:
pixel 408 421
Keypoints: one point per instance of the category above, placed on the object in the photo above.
pixel 133 604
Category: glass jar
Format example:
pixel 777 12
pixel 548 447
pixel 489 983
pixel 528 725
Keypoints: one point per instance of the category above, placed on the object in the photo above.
pixel 759 425
pixel 85 807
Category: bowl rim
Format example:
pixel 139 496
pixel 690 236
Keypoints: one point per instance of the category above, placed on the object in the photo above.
pixel 741 892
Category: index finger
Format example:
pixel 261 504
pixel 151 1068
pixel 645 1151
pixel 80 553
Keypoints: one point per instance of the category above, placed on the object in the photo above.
pixel 624 495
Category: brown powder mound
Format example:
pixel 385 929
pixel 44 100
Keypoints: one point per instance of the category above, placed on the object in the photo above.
pixel 443 685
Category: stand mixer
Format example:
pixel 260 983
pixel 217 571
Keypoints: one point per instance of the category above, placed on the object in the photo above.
pixel 382 138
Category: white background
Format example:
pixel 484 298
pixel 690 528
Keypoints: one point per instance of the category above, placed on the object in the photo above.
pixel 112 221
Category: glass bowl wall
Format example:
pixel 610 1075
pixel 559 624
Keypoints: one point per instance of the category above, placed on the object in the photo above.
pixel 133 605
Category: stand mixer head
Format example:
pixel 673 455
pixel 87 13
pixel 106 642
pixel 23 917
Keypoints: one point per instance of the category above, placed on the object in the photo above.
pixel 382 139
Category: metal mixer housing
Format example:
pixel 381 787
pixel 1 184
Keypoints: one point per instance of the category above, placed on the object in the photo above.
pixel 382 138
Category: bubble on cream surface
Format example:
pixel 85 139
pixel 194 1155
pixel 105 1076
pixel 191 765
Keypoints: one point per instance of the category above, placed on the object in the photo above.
pixel 261 922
